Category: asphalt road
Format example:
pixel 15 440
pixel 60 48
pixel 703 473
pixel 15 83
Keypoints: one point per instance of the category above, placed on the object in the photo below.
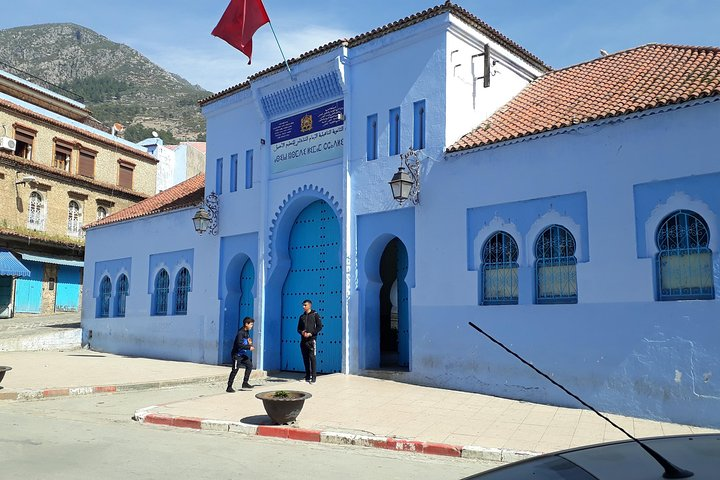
pixel 95 437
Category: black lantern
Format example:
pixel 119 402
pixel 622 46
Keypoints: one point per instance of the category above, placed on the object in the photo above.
pixel 406 184
pixel 201 220
pixel 206 218
pixel 401 185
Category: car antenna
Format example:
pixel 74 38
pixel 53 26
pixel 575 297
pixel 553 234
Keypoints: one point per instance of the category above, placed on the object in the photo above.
pixel 671 471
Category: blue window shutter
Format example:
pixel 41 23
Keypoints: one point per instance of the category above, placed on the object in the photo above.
pixel 419 125
pixel 394 131
pixel 233 172
pixel 218 176
pixel 372 137
pixel 248 169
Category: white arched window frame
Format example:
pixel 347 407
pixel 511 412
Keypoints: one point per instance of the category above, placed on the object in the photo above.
pixel 182 287
pixel 500 270
pixel 555 266
pixel 101 213
pixel 74 219
pixel 684 263
pixel 37 212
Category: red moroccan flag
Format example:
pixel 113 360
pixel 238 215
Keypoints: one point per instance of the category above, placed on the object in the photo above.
pixel 241 20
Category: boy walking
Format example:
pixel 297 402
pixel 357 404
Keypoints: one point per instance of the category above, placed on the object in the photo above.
pixel 242 354
pixel 309 326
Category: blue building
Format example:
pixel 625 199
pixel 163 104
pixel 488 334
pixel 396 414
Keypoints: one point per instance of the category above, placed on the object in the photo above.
pixel 570 213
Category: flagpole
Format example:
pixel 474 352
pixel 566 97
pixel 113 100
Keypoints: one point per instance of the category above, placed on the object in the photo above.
pixel 281 50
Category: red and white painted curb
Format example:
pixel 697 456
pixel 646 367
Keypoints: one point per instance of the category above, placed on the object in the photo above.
pixel 145 415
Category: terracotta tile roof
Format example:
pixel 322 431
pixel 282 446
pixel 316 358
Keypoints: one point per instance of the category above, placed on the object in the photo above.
pixel 200 146
pixel 447 7
pixel 185 194
pixel 626 82
pixel 137 153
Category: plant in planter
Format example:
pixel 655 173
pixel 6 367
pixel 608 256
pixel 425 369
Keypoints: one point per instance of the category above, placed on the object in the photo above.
pixel 283 406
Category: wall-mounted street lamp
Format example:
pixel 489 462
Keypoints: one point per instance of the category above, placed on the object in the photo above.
pixel 406 185
pixel 206 218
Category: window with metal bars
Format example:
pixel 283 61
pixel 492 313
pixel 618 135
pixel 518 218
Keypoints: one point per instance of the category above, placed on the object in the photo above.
pixel 162 288
pixel 74 219
pixel 122 293
pixel 101 213
pixel 36 212
pixel 182 286
pixel 500 270
pixel 555 266
pixel 105 293
pixel 684 265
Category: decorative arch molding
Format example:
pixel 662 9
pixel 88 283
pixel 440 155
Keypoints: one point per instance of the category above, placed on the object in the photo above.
pixel 553 217
pixel 497 224
pixel 285 216
pixel 679 201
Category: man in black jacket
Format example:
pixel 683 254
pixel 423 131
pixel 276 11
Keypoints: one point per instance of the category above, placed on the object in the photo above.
pixel 309 326
pixel 242 355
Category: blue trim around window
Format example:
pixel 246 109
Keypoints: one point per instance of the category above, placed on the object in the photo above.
pixel 394 120
pixel 233 172
pixel 419 125
pixel 249 160
pixel 372 137
pixel 182 286
pixel 105 294
pixel 684 263
pixel 218 175
pixel 160 295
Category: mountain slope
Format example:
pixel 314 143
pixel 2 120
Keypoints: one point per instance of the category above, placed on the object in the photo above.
pixel 117 83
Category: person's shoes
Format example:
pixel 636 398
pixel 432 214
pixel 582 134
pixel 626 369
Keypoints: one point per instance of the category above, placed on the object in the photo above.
pixel 307 379
pixel 313 380
pixel 247 385
pixel 230 390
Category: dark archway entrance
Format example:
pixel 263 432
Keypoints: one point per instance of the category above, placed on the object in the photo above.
pixel 394 307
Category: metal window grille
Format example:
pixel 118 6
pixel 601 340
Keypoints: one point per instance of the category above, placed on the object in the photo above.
pixel 500 270
pixel 684 264
pixel 36 212
pixel 162 288
pixel 182 286
pixel 105 293
pixel 101 213
pixel 555 266
pixel 74 219
pixel 122 293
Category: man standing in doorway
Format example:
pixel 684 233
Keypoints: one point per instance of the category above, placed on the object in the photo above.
pixel 309 326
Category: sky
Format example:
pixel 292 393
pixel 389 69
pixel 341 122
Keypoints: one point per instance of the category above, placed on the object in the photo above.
pixel 175 34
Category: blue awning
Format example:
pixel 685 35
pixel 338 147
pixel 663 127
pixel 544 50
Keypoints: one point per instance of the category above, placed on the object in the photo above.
pixel 11 266
pixel 55 260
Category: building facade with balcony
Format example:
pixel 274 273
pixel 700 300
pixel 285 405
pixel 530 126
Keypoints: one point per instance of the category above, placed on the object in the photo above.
pixel 570 213
pixel 58 172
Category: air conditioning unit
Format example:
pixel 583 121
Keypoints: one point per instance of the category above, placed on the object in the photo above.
pixel 7 143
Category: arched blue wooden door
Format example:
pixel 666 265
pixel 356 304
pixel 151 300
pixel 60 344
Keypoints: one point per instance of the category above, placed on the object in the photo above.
pixel 403 307
pixel 247 302
pixel 315 273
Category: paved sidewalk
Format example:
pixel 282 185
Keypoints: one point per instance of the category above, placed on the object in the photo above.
pixel 44 374
pixel 31 332
pixel 344 409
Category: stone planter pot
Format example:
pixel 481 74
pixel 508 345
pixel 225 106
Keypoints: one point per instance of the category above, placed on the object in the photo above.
pixel 283 409
pixel 3 370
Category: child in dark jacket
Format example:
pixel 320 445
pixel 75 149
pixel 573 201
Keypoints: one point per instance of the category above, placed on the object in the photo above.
pixel 242 355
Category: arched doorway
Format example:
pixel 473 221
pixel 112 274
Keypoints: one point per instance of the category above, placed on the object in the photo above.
pixel 315 273
pixel 394 307
pixel 239 301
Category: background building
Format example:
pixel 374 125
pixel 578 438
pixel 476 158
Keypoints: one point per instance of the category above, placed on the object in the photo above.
pixel 176 163
pixel 58 171
pixel 571 213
